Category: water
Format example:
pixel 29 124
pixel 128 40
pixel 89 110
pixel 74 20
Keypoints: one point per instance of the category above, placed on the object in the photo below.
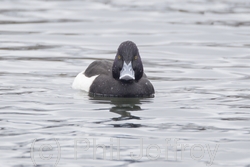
pixel 196 54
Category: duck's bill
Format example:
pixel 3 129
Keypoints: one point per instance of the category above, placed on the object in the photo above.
pixel 127 72
pixel 127 77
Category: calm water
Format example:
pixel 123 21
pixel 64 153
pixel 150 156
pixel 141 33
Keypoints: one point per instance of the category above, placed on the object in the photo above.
pixel 196 53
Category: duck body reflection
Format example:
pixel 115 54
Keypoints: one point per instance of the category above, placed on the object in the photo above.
pixel 124 107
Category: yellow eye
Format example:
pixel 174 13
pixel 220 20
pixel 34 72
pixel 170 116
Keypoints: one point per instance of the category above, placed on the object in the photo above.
pixel 119 57
pixel 136 57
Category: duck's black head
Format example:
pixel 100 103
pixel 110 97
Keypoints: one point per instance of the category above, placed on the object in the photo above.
pixel 127 64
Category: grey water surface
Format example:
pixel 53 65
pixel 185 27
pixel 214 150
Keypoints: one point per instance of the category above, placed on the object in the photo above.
pixel 195 52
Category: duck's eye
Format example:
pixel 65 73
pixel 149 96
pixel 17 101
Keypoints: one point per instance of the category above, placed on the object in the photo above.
pixel 136 57
pixel 119 57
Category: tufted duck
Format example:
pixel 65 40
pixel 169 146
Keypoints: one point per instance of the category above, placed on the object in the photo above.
pixel 122 78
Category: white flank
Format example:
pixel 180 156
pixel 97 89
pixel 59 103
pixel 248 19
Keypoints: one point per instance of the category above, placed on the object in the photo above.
pixel 82 82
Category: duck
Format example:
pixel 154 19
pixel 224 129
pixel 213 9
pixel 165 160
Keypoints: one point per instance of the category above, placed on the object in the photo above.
pixel 124 77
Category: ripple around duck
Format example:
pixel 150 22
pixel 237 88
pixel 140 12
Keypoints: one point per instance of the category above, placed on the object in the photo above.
pixel 36 47
pixel 41 21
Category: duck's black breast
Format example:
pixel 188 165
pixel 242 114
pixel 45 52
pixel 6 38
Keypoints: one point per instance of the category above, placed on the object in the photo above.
pixel 106 85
